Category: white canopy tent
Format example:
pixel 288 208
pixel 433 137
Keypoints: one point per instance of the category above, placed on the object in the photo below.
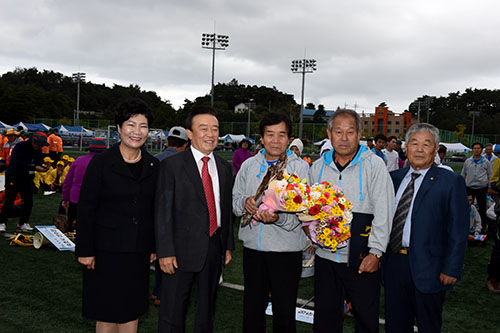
pixel 235 138
pixel 456 147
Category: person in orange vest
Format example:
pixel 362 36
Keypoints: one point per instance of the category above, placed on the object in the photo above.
pixel 12 137
pixel 3 138
pixel 307 158
pixel 24 135
pixel 55 145
pixel 45 149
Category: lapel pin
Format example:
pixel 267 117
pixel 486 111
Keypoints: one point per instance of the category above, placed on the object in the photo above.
pixel 151 163
pixel 432 178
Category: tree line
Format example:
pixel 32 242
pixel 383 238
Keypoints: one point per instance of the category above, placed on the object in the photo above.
pixel 27 93
pixel 453 112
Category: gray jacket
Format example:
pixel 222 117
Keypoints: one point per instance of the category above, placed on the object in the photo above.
pixel 286 235
pixel 367 184
pixel 477 174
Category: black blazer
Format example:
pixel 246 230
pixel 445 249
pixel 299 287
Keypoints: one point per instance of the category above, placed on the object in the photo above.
pixel 181 211
pixel 115 210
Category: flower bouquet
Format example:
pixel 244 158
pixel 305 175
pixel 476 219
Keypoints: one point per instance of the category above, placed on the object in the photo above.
pixel 322 208
pixel 290 194
pixel 328 216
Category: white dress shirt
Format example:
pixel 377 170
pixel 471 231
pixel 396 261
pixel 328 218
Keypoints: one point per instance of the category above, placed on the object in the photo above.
pixel 399 194
pixel 212 170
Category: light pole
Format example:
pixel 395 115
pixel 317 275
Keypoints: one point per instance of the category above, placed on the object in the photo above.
pixel 214 42
pixel 77 77
pixel 303 66
pixel 251 105
pixel 473 114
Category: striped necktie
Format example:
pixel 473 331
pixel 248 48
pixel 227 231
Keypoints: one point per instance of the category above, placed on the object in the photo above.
pixel 401 214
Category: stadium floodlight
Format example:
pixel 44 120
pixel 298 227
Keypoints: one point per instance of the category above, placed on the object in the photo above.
pixel 303 66
pixel 214 42
pixel 77 77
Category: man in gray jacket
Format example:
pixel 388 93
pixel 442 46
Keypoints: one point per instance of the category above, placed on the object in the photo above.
pixel 477 172
pixel 272 245
pixel 354 269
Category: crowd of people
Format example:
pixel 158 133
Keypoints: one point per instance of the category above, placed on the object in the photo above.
pixel 412 218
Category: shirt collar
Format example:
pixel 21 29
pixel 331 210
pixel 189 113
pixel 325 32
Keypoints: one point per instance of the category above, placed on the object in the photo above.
pixel 423 172
pixel 198 155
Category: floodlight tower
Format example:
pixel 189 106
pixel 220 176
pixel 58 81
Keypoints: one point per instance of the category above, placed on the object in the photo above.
pixel 303 66
pixel 214 42
pixel 77 77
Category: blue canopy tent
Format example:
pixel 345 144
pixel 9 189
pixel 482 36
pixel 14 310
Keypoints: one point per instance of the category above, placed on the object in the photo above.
pixel 74 130
pixel 32 127
pixel 4 125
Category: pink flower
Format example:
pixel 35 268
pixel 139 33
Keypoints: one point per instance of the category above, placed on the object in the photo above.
pixel 326 209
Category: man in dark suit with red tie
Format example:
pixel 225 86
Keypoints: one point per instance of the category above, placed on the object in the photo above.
pixel 427 245
pixel 193 220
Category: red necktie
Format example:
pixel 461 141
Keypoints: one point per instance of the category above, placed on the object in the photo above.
pixel 209 194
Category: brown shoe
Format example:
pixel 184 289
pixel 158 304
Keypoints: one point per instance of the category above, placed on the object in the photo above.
pixel 494 286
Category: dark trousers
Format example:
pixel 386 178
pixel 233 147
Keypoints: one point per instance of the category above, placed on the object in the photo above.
pixel 404 302
pixel 54 155
pixel 12 188
pixel 176 289
pixel 331 282
pixel 277 273
pixel 72 209
pixel 494 264
pixel 480 196
pixel 157 284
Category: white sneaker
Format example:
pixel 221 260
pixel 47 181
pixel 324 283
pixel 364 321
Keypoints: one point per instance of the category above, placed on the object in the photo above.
pixel 25 227
pixel 2 227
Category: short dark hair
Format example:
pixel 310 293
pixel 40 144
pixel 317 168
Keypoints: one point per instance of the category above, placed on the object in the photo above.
pixel 130 108
pixel 442 149
pixel 369 139
pixel 380 137
pixel 175 142
pixel 274 118
pixel 477 143
pixel 344 112
pixel 391 137
pixel 197 111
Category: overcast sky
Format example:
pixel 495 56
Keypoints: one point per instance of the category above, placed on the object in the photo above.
pixel 367 51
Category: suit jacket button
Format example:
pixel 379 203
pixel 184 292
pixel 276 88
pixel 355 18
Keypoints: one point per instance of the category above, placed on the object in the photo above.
pixel 134 220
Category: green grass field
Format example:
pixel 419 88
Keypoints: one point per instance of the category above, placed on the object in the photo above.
pixel 41 290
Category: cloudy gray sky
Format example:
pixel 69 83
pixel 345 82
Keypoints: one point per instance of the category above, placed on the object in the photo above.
pixel 367 51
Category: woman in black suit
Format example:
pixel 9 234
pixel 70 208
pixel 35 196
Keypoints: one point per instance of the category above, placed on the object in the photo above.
pixel 115 233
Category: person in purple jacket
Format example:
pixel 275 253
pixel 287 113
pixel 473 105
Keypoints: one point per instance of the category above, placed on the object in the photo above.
pixel 73 181
pixel 241 154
